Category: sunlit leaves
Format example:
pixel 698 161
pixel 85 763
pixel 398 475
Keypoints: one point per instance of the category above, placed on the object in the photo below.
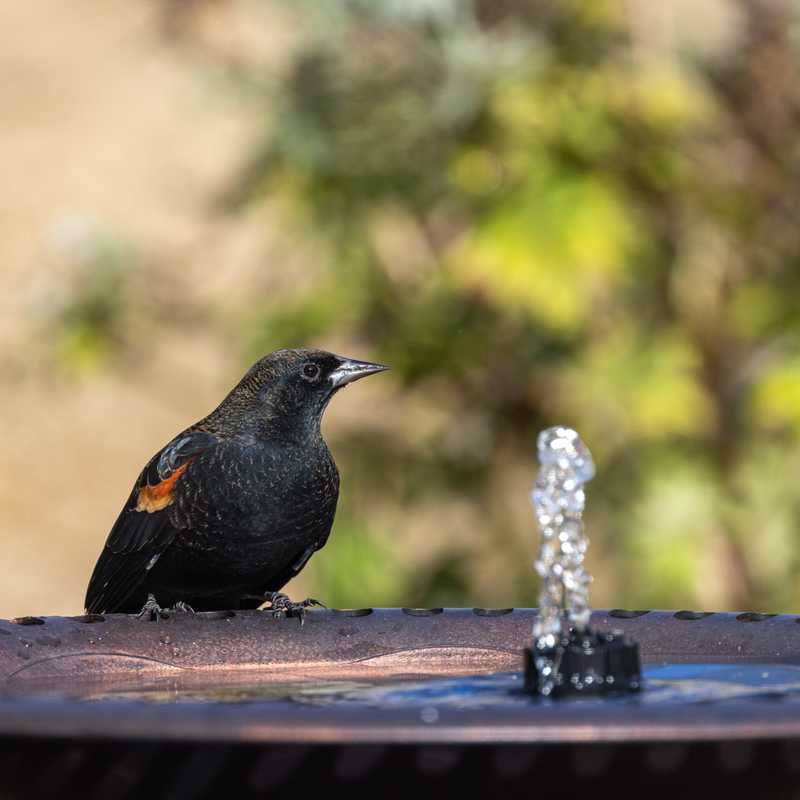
pixel 552 249
pixel 764 512
pixel 775 400
pixel 669 530
pixel 635 386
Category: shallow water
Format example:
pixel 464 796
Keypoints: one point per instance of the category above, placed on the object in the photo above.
pixel 663 684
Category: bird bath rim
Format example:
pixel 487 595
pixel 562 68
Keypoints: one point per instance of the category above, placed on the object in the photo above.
pixel 44 660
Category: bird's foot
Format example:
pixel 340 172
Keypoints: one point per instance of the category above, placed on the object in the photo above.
pixel 153 610
pixel 155 613
pixel 281 605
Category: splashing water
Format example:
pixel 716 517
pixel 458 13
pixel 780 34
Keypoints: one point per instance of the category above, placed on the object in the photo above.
pixel 558 499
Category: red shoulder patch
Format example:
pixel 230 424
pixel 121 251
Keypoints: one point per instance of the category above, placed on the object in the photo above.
pixel 158 497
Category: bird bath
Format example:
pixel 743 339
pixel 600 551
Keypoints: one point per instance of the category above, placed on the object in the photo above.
pixel 359 693
pixel 245 702
pixel 406 675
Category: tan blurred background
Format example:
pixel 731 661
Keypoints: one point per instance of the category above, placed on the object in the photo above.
pixel 108 131
pixel 536 212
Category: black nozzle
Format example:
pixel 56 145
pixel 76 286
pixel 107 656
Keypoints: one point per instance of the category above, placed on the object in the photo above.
pixel 584 663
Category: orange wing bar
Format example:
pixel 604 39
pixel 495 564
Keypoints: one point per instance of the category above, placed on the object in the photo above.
pixel 155 498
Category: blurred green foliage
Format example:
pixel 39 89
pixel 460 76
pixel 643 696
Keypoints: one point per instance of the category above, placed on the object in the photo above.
pixel 535 217
pixel 87 318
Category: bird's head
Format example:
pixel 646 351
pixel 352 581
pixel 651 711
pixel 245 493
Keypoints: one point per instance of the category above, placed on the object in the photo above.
pixel 287 391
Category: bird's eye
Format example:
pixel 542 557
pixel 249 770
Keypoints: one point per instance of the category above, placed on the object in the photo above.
pixel 310 371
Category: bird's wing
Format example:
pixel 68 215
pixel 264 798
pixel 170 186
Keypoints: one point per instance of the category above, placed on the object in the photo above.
pixel 143 529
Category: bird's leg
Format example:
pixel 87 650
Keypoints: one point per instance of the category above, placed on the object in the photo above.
pixel 281 605
pixel 156 612
pixel 153 609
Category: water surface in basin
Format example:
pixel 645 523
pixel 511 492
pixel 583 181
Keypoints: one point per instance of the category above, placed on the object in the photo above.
pixel 664 684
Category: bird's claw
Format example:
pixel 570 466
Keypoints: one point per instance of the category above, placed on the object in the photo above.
pixel 156 613
pixel 153 610
pixel 281 605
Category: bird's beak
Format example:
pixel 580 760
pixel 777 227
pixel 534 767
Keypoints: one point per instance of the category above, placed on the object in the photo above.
pixel 350 370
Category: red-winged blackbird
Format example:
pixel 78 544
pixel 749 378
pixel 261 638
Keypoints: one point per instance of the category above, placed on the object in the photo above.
pixel 235 505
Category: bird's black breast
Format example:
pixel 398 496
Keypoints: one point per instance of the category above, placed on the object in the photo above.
pixel 245 512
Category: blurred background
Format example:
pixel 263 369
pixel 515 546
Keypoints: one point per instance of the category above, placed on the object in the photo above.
pixel 537 212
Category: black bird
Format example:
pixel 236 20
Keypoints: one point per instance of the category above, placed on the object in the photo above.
pixel 235 505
